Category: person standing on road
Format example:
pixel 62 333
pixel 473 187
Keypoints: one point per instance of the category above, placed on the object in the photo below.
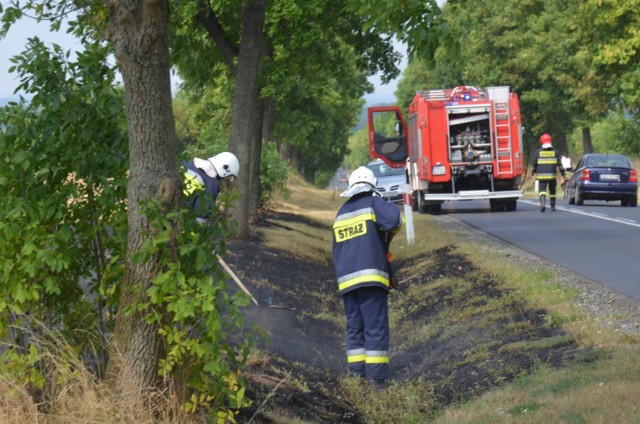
pixel 565 160
pixel 202 181
pixel 362 232
pixel 568 168
pixel 546 162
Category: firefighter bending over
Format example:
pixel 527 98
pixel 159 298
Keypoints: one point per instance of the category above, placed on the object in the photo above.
pixel 202 181
pixel 546 162
pixel 362 232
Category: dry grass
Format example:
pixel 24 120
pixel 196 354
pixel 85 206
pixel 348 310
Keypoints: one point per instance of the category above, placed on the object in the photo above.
pixel 300 240
pixel 73 395
pixel 305 199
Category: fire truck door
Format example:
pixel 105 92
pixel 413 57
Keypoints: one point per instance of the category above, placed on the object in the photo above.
pixel 387 135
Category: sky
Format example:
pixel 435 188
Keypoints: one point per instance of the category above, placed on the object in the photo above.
pixel 13 44
pixel 16 39
pixel 385 92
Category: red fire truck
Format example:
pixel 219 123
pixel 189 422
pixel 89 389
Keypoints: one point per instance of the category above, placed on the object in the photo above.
pixel 458 144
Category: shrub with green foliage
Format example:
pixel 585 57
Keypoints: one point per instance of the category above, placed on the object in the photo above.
pixel 195 311
pixel 62 220
pixel 63 234
pixel 273 174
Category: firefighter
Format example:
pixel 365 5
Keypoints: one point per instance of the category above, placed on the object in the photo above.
pixel 362 232
pixel 546 161
pixel 202 181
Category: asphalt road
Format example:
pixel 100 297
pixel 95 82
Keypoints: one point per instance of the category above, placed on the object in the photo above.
pixel 600 240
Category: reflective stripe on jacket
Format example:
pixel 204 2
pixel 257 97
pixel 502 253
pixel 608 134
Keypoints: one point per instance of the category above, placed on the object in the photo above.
pixel 546 163
pixel 200 190
pixel 359 233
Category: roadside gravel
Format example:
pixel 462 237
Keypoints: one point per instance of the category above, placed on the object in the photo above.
pixel 611 308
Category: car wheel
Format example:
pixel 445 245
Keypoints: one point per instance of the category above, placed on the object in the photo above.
pixel 579 199
pixel 512 205
pixel 624 201
pixel 633 201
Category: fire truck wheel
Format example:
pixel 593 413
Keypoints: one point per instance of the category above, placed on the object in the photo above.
pixel 437 208
pixel 497 205
pixel 423 207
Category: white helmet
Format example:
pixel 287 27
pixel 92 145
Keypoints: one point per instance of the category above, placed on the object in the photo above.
pixel 222 165
pixel 226 164
pixel 361 180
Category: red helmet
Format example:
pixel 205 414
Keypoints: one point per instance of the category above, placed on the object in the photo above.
pixel 545 139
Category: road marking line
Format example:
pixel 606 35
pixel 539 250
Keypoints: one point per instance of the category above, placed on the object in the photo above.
pixel 593 215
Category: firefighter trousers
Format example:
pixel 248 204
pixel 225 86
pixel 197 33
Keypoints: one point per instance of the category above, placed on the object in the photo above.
pixel 367 332
pixel 542 188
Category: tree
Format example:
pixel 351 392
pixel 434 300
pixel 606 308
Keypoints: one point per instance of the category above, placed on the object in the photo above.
pixel 358 149
pixel 174 315
pixel 138 32
pixel 421 74
pixel 517 45
pixel 344 53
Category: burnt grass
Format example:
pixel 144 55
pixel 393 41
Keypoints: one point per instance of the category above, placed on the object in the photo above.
pixel 475 334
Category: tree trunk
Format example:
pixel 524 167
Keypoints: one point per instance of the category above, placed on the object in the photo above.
pixel 285 151
pixel 561 143
pixel 138 30
pixel 296 161
pixel 256 153
pixel 246 119
pixel 269 118
pixel 587 145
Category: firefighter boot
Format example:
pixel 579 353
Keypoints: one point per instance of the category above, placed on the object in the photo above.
pixel 553 204
pixel 543 201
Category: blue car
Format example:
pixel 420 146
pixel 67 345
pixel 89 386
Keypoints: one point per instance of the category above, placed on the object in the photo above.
pixel 604 177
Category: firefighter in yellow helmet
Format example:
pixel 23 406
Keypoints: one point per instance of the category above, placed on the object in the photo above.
pixel 545 164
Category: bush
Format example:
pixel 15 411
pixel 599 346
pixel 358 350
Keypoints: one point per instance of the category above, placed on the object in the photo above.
pixel 273 174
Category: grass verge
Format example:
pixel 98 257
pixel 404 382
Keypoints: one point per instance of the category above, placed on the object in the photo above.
pixel 487 285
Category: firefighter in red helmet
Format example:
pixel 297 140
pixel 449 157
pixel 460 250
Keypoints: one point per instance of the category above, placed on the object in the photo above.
pixel 545 164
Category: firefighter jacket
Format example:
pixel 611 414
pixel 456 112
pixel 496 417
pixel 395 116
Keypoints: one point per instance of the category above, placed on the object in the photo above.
pixel 546 162
pixel 359 241
pixel 200 190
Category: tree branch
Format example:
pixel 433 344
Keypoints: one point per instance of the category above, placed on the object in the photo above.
pixel 211 23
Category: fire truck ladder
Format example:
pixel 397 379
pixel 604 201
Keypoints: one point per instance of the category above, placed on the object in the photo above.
pixel 504 162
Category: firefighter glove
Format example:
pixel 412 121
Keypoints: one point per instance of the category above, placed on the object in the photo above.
pixel 393 283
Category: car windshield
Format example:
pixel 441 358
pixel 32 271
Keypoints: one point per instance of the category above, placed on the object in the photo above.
pixel 384 170
pixel 608 161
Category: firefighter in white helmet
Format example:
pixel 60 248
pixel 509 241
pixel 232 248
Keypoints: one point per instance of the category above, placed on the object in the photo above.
pixel 202 181
pixel 362 232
